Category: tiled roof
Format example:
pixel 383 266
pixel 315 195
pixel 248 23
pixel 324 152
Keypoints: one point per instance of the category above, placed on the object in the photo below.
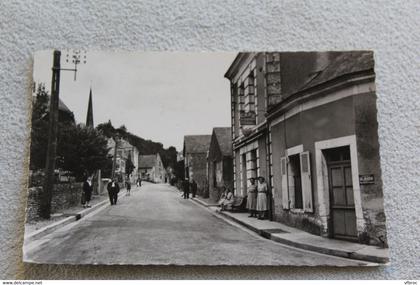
pixel 344 64
pixel 197 143
pixel 224 138
pixel 147 161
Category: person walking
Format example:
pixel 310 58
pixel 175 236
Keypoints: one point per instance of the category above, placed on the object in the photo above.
pixel 251 202
pixel 87 192
pixel 186 188
pixel 194 188
pixel 262 198
pixel 128 188
pixel 113 189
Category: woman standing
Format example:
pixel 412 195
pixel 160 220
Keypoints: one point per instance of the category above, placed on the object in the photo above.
pixel 262 198
pixel 251 202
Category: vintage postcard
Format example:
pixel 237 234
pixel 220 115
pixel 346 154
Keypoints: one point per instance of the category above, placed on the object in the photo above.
pixel 174 158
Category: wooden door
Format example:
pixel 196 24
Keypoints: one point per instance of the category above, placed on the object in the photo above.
pixel 343 214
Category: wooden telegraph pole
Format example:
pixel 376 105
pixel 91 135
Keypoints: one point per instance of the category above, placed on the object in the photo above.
pixel 46 196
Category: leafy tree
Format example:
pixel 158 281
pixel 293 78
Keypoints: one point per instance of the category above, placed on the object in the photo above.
pixel 82 150
pixel 106 129
pixel 39 130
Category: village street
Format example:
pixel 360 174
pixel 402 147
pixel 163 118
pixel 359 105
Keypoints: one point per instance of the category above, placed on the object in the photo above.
pixel 156 226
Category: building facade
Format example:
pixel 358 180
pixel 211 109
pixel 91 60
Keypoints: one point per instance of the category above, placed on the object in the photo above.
pixel 195 161
pixel 151 168
pixel 123 151
pixel 248 121
pixel 321 142
pixel 220 162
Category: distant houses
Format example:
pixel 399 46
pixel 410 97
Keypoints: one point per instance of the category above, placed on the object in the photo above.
pixel 151 168
pixel 195 161
pixel 123 151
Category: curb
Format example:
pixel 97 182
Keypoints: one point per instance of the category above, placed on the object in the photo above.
pixel 59 224
pixel 203 203
pixel 328 251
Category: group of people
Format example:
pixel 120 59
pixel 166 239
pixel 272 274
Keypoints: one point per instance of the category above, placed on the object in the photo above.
pixel 187 186
pixel 226 199
pixel 257 202
pixel 112 187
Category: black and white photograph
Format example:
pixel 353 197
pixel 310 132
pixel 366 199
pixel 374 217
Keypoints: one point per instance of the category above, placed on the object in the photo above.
pixel 205 158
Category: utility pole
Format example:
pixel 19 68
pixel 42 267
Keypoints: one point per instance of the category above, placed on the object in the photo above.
pixel 46 196
pixel 114 160
pixel 47 189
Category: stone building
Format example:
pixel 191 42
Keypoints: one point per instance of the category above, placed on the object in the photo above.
pixel 123 150
pixel 322 149
pixel 195 161
pixel 151 168
pixel 248 121
pixel 220 162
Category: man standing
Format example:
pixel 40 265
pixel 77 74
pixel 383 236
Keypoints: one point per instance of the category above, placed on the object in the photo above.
pixel 113 190
pixel 194 188
pixel 186 188
pixel 87 191
pixel 128 187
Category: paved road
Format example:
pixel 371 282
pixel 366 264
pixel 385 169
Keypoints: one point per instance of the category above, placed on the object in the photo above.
pixel 156 226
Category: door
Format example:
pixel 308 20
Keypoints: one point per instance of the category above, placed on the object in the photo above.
pixel 343 214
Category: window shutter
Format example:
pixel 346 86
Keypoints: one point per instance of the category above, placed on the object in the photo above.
pixel 284 186
pixel 305 170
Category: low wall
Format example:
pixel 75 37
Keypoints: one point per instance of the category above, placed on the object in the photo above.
pixel 64 196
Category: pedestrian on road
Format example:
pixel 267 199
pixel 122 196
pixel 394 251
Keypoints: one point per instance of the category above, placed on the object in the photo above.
pixel 262 207
pixel 194 188
pixel 128 187
pixel 251 202
pixel 113 189
pixel 87 192
pixel 186 188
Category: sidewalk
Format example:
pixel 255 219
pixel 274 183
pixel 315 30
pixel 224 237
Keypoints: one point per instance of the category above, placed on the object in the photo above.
pixel 38 229
pixel 297 238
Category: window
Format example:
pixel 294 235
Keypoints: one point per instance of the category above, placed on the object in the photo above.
pixel 295 185
pixel 296 181
pixel 249 93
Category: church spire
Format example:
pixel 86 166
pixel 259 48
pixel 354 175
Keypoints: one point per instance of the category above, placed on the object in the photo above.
pixel 89 116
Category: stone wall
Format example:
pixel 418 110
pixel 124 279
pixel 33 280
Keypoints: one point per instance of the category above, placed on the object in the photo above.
pixel 64 196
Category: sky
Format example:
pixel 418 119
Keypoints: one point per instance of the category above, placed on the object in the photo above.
pixel 160 96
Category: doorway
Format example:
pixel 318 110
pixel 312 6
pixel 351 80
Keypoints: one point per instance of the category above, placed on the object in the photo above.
pixel 342 208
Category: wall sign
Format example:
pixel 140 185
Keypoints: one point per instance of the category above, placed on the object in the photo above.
pixel 366 179
pixel 247 118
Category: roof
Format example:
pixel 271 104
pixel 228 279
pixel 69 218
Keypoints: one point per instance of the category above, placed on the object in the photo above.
pixel 344 64
pixel 147 161
pixel 61 106
pixel 197 143
pixel 224 138
pixel 236 64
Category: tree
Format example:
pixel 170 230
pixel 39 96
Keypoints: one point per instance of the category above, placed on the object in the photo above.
pixel 82 150
pixel 106 129
pixel 39 130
